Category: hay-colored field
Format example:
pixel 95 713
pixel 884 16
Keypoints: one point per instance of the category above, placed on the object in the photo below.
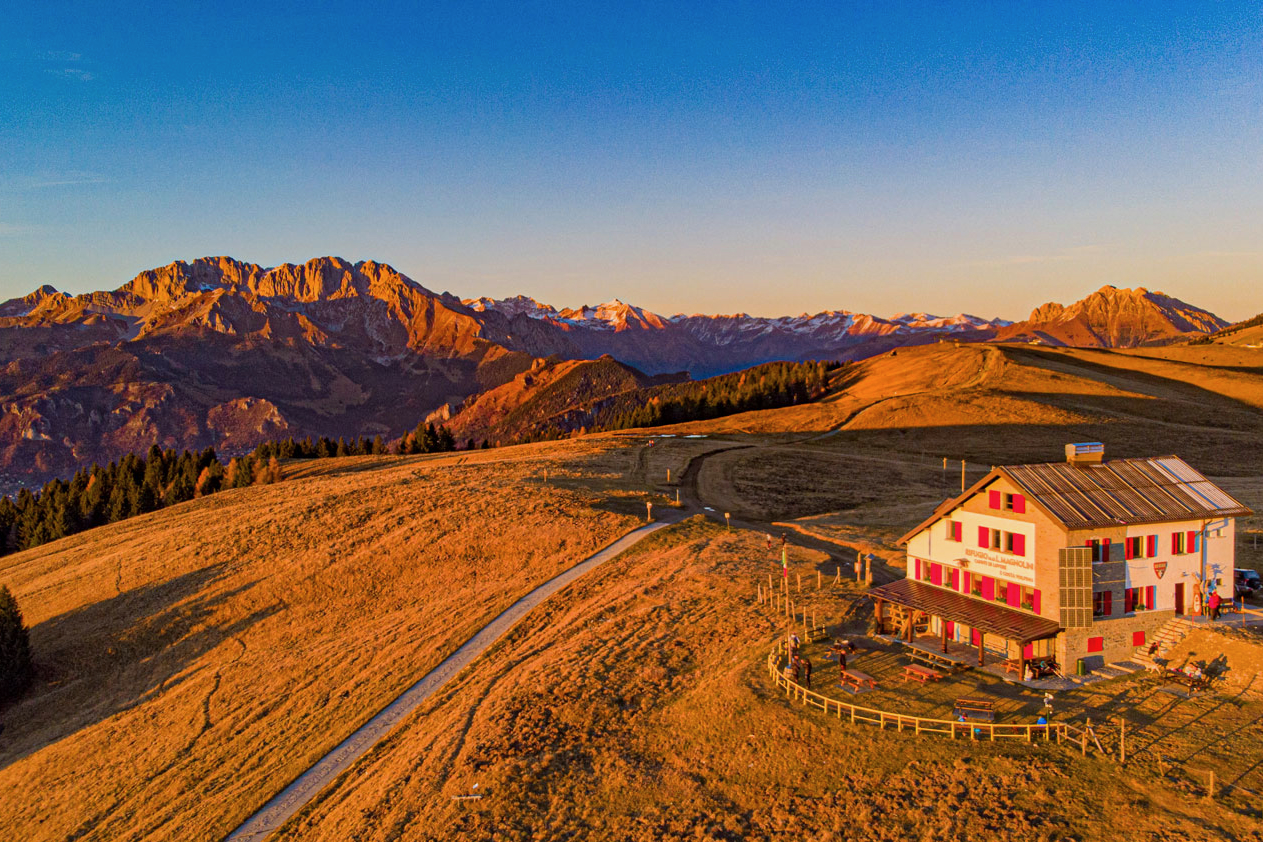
pixel 638 709
pixel 195 660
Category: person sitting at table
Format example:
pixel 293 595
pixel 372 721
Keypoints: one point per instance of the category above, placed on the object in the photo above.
pixel 1028 674
pixel 1043 720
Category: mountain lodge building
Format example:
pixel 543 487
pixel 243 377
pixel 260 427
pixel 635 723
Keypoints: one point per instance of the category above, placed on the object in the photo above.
pixel 1082 559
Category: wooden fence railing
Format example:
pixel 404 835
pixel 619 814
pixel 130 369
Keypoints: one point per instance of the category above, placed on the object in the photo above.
pixel 917 724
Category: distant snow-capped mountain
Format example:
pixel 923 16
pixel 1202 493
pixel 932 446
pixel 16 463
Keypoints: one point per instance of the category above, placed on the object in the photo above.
pixel 712 344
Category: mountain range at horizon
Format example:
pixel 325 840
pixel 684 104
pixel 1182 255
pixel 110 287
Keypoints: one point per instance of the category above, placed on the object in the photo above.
pixel 226 353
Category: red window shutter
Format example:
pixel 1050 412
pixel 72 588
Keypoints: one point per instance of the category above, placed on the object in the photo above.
pixel 1019 544
pixel 1096 644
pixel 1035 601
pixel 975 637
pixel 1138 638
pixel 988 587
pixel 1014 595
pixel 964 582
pixel 1190 543
pixel 1028 651
pixel 1153 546
pixel 1019 504
pixel 984 537
pixel 1128 600
pixel 1127 546
pixel 1151 599
pixel 955 574
pixel 936 574
pixel 994 499
pixel 1107 602
pixel 1175 543
pixel 1105 549
pixel 917 568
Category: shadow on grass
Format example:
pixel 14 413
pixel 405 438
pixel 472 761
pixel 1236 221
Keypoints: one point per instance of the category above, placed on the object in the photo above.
pixel 109 656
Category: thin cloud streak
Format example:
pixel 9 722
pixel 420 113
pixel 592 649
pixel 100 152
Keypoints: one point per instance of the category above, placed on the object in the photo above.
pixel 1076 253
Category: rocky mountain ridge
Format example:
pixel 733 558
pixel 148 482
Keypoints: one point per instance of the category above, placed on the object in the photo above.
pixel 227 353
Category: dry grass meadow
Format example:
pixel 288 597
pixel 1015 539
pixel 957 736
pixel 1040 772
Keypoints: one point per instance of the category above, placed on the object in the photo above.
pixel 193 661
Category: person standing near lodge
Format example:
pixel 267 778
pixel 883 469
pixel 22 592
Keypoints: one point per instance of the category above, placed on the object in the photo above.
pixel 807 672
pixel 1214 603
pixel 841 665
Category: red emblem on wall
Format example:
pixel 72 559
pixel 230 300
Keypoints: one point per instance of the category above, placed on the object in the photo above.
pixel 1160 567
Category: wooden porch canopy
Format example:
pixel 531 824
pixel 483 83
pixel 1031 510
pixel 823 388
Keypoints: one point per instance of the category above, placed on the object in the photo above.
pixel 975 613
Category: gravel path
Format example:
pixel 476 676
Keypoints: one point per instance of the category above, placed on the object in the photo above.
pixel 308 785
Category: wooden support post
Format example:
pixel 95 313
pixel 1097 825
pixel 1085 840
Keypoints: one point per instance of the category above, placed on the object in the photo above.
pixel 800 583
pixel 859 566
pixel 1122 740
pixel 1021 662
pixel 943 625
pixel 981 637
pixel 817 578
pixel 962 476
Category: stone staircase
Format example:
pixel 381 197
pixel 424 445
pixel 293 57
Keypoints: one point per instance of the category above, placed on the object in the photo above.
pixel 1166 637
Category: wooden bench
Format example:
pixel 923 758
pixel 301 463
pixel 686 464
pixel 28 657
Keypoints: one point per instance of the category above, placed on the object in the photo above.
pixel 815 634
pixel 858 680
pixel 1011 666
pixel 982 710
pixel 914 672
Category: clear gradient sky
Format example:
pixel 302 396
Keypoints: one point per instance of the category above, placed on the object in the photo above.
pixel 770 158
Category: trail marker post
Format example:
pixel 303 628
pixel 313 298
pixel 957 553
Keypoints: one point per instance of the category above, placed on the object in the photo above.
pixel 648 510
pixel 962 476
pixel 728 520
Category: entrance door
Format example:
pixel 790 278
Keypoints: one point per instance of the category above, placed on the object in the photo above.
pixel 1179 598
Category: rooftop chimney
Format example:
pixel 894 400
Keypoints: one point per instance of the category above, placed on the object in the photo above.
pixel 1085 453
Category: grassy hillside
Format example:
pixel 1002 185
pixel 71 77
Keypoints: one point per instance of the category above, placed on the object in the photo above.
pixel 639 710
pixel 194 660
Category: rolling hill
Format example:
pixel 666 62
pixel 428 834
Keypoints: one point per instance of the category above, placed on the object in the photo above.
pixel 192 661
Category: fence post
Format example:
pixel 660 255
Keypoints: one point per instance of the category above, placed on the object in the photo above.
pixel 818 581
pixel 800 583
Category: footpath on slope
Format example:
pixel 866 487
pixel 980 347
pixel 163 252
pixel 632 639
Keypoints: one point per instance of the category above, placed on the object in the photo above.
pixel 309 784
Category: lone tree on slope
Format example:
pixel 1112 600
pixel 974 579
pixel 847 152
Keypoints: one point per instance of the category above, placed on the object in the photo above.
pixel 15 648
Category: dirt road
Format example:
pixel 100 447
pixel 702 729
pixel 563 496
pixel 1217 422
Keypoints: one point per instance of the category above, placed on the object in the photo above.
pixel 307 786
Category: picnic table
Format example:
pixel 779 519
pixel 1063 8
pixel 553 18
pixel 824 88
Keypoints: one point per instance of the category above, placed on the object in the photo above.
pixel 935 661
pixel 975 708
pixel 858 680
pixel 915 672
pixel 1192 682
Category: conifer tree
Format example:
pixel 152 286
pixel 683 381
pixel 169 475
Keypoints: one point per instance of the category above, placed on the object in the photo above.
pixel 15 648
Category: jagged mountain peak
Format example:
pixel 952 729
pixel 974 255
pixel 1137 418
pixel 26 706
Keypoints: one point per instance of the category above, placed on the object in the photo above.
pixel 1115 317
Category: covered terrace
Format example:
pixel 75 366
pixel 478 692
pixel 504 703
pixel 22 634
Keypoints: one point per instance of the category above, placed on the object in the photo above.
pixel 899 606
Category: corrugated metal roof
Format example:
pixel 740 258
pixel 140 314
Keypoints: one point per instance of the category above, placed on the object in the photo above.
pixel 992 618
pixel 1124 491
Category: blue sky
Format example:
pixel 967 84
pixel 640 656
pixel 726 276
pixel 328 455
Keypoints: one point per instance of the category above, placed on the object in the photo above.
pixel 767 158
